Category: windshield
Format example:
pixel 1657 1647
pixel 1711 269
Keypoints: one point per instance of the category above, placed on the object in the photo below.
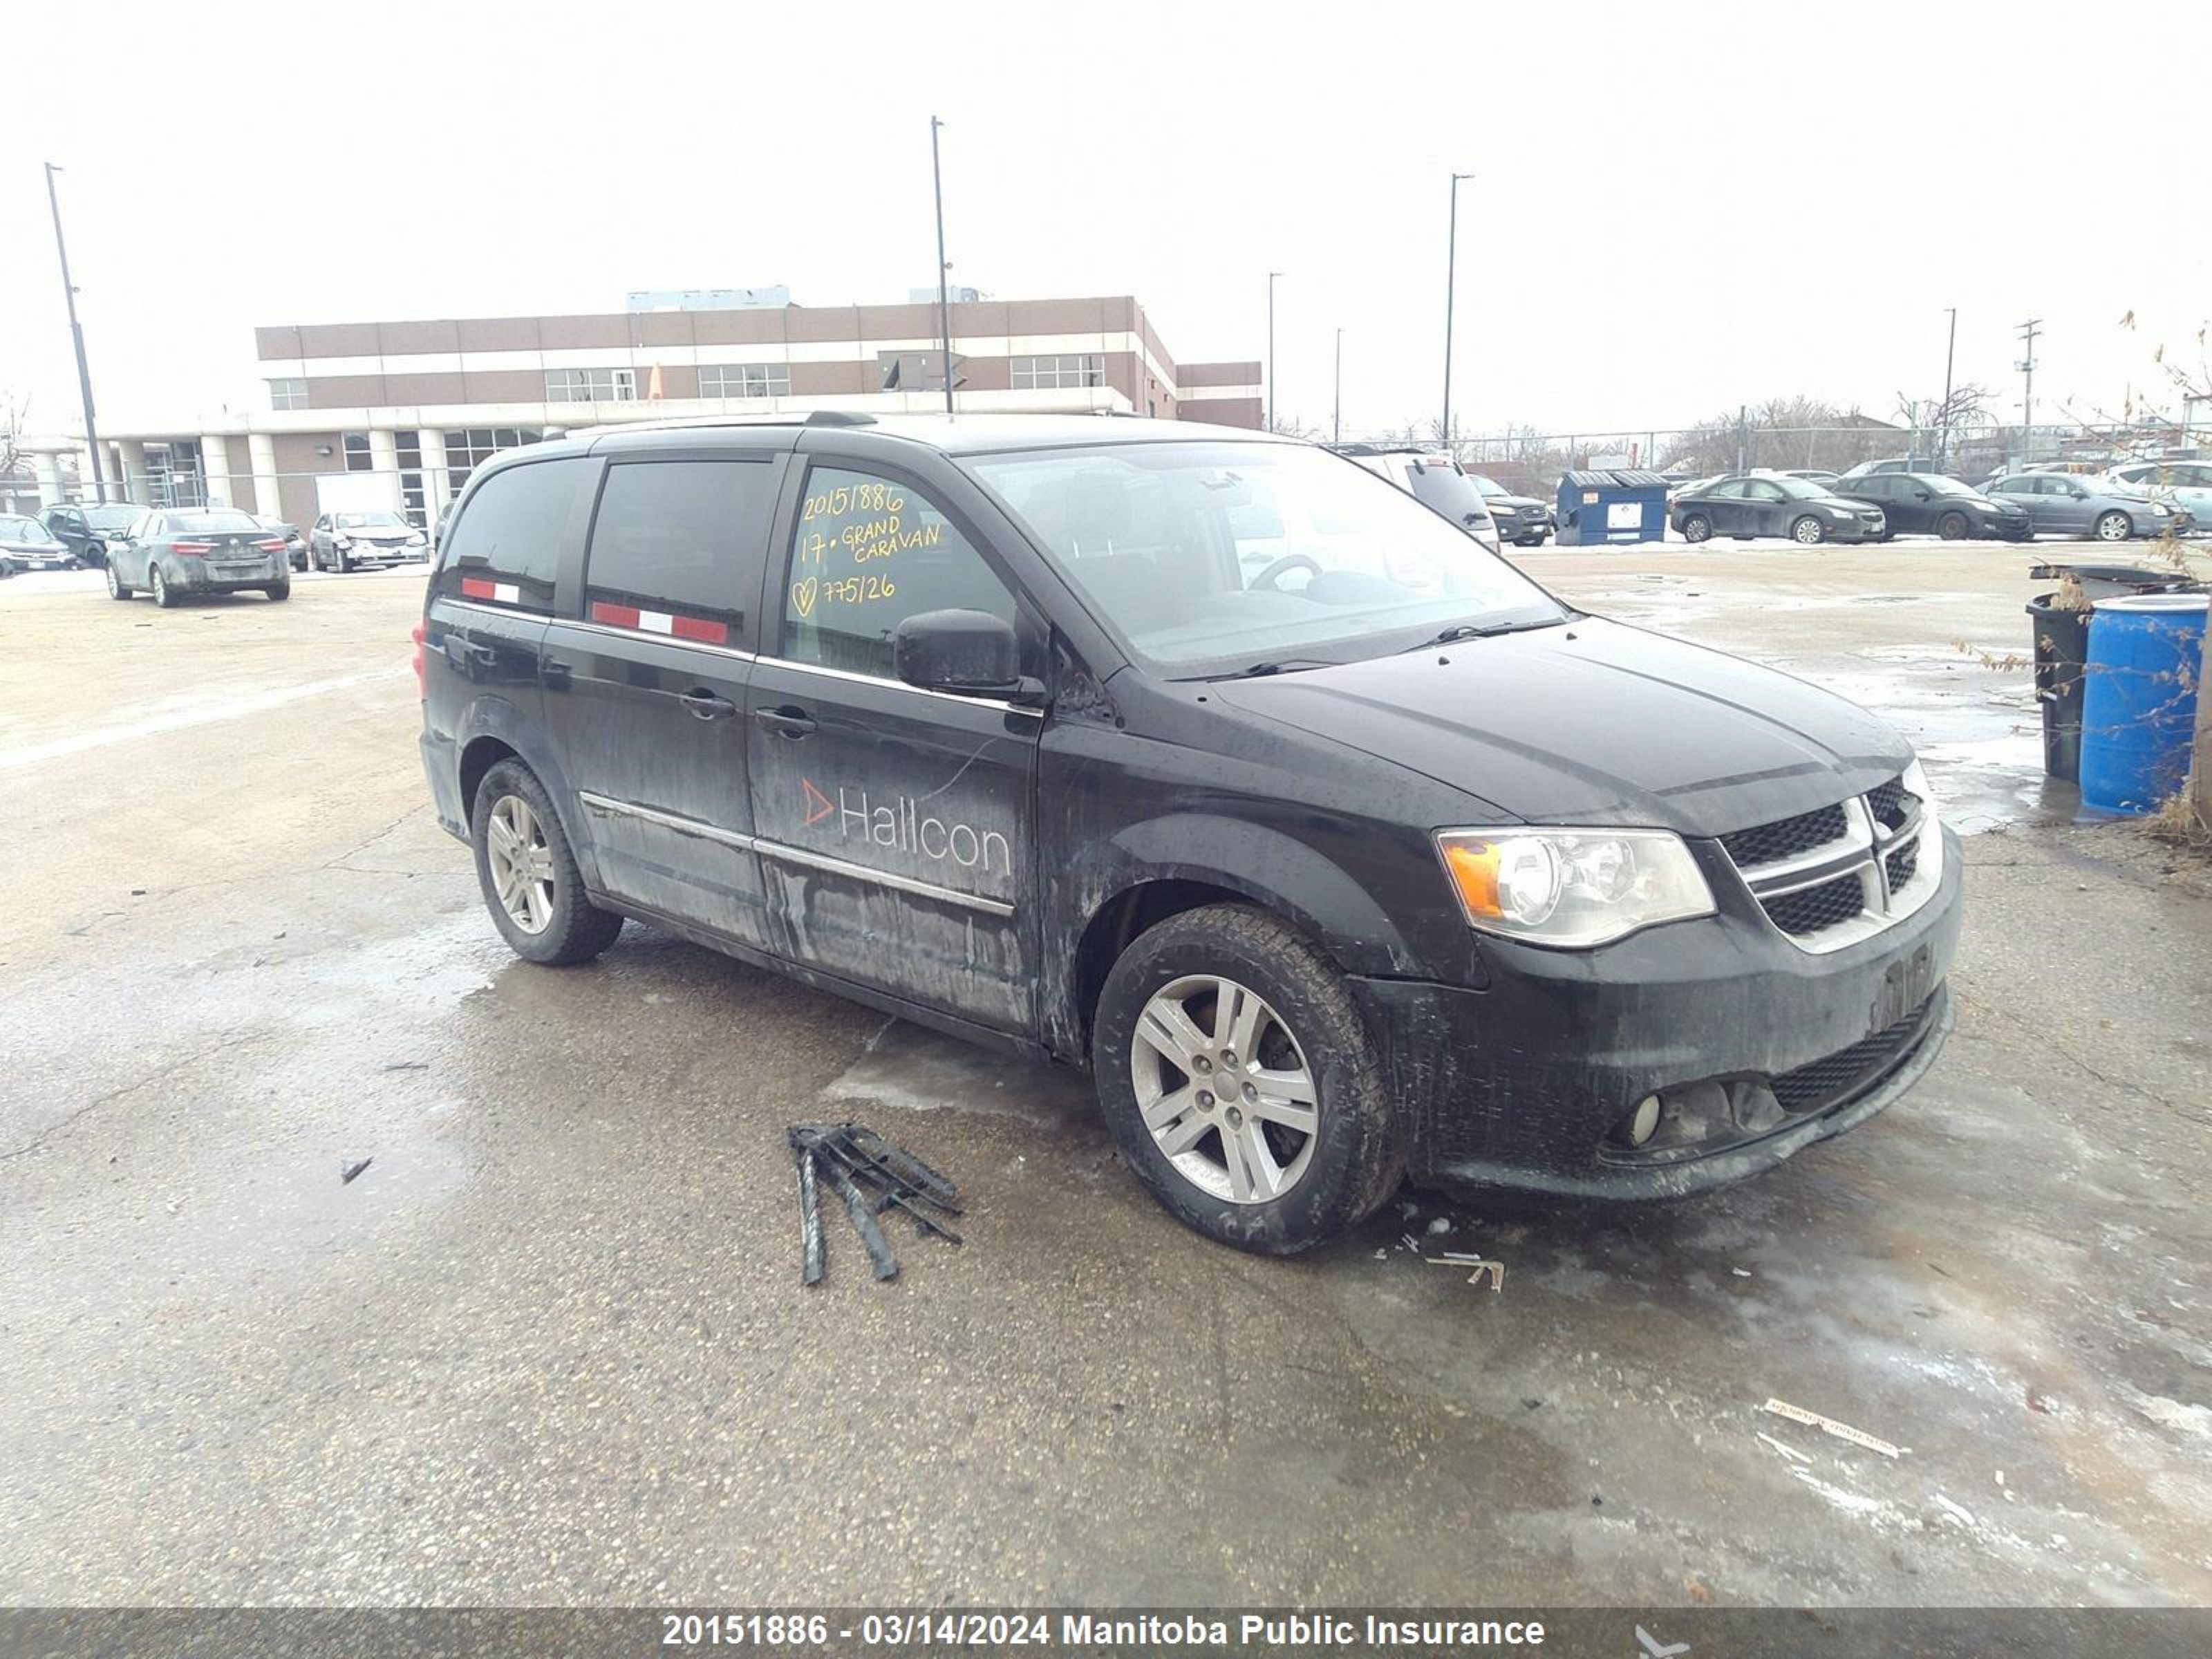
pixel 23 530
pixel 1797 489
pixel 1211 557
pixel 371 521
pixel 1943 486
pixel 213 518
pixel 1488 486
pixel 110 518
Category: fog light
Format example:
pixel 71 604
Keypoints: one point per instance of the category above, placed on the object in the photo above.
pixel 1645 1121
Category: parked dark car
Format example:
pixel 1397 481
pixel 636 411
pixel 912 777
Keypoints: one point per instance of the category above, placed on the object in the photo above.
pixel 1763 504
pixel 86 526
pixel 1522 520
pixel 26 543
pixel 1375 858
pixel 346 541
pixel 1929 504
pixel 295 545
pixel 176 552
pixel 2063 504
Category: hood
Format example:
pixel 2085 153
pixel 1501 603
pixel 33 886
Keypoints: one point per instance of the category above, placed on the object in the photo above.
pixel 381 532
pixel 36 550
pixel 1512 503
pixel 1595 723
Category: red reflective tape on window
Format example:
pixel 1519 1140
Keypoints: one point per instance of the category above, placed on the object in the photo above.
pixel 698 628
pixel 472 588
pixel 614 616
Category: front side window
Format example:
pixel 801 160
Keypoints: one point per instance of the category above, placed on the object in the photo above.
pixel 1356 567
pixel 1729 489
pixel 506 540
pixel 684 539
pixel 868 552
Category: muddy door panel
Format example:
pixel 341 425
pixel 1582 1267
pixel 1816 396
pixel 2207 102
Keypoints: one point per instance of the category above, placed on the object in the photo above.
pixel 894 830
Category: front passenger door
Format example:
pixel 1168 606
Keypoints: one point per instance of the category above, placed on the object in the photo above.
pixel 894 824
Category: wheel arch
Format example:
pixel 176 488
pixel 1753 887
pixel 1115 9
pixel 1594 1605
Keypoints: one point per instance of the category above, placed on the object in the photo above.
pixel 491 730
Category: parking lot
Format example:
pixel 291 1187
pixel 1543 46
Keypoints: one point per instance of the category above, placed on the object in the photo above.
pixel 550 1345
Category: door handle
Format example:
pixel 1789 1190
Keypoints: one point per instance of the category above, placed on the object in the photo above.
pixel 786 721
pixel 706 706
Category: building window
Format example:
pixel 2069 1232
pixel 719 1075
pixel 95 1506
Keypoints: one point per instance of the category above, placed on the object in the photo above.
pixel 467 450
pixel 287 394
pixel 1047 374
pixel 745 380
pixel 414 496
pixel 357 457
pixel 590 386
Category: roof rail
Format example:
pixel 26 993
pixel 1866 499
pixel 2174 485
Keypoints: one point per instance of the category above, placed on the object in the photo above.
pixel 817 418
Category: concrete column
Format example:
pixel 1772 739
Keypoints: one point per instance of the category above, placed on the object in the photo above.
pixel 214 466
pixel 84 474
pixel 130 457
pixel 384 457
pixel 49 466
pixel 261 456
pixel 436 491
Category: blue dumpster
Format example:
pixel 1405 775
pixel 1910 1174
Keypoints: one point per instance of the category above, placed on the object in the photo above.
pixel 2139 700
pixel 1624 505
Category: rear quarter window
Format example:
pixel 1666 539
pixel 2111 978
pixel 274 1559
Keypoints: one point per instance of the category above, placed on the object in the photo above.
pixel 505 542
pixel 689 538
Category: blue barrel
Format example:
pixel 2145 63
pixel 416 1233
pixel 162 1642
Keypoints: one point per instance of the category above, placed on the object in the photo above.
pixel 2139 701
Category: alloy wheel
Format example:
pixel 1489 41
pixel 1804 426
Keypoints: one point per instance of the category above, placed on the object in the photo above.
pixel 1807 530
pixel 521 864
pixel 1225 1089
pixel 2112 527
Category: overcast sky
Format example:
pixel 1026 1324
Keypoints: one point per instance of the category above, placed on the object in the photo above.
pixel 1675 209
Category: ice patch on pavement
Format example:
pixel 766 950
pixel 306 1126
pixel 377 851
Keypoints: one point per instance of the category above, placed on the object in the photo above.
pixel 911 1069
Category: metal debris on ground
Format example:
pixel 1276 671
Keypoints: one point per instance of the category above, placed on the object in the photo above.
pixel 1829 1425
pixel 348 1171
pixel 1481 1266
pixel 1783 1447
pixel 871 1177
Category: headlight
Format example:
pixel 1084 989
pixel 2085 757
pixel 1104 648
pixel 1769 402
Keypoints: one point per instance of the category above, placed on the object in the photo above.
pixel 416 540
pixel 1916 783
pixel 341 541
pixel 1573 887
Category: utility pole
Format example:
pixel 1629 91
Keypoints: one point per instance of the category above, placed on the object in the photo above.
pixel 943 268
pixel 1271 349
pixel 2027 367
pixel 1950 355
pixel 76 337
pixel 1336 417
pixel 1451 290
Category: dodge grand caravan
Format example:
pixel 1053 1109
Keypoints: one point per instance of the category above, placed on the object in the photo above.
pixel 1347 855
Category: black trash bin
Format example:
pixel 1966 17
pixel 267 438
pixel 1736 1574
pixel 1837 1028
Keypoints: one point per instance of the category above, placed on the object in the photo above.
pixel 2062 646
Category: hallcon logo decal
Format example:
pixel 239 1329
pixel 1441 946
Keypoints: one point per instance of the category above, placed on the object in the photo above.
pixel 902 825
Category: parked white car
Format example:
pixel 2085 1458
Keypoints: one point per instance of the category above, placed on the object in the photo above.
pixel 2187 484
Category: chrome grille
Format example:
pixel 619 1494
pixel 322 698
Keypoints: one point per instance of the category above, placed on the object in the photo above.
pixel 1834 876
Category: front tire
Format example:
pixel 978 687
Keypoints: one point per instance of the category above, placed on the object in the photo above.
pixel 2114 526
pixel 116 587
pixel 1808 531
pixel 1241 1085
pixel 1697 528
pixel 528 873
pixel 1953 526
pixel 158 585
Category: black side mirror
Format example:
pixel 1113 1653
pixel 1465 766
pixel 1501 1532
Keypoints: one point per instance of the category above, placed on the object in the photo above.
pixel 1920 496
pixel 968 652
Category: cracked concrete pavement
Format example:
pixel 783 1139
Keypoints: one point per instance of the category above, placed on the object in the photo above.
pixel 551 1346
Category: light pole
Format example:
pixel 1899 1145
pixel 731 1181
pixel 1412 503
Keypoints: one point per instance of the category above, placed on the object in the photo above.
pixel 1336 416
pixel 1271 276
pixel 1944 432
pixel 76 337
pixel 1451 287
pixel 943 270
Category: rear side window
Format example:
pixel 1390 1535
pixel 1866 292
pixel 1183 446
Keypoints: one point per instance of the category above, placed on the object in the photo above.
pixel 506 542
pixel 678 543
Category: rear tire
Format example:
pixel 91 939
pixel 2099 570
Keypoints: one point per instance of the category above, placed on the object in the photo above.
pixel 279 592
pixel 1808 531
pixel 116 587
pixel 519 843
pixel 158 585
pixel 1293 1008
pixel 1697 528
pixel 1953 526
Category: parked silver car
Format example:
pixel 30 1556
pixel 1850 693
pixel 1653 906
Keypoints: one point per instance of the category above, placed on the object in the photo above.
pixel 2060 504
pixel 2187 484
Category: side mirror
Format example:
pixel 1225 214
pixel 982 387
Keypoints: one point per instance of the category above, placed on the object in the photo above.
pixel 1920 496
pixel 963 652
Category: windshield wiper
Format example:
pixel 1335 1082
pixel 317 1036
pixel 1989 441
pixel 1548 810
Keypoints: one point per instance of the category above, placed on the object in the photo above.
pixel 1279 665
pixel 1476 631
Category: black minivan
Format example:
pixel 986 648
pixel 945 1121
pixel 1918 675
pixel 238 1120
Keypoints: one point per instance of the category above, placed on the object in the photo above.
pixel 1335 847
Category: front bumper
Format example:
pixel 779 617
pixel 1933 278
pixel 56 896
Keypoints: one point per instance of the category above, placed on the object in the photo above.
pixel 1857 530
pixel 1525 1083
pixel 206 576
